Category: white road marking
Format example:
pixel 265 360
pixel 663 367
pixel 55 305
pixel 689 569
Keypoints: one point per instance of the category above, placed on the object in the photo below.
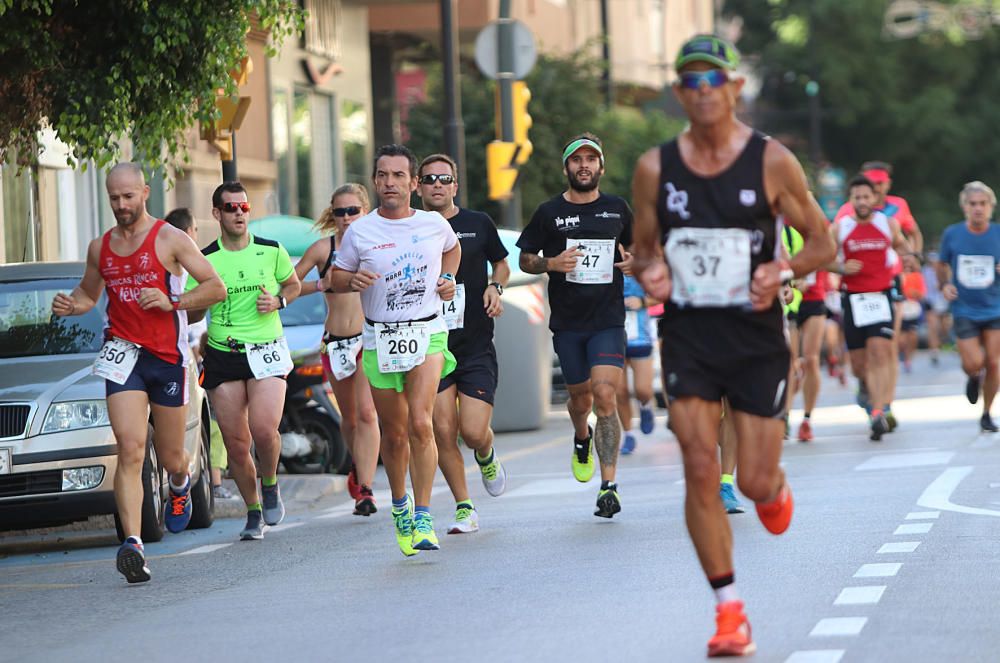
pixel 898 547
pixel 200 550
pixel 878 570
pixel 336 514
pixel 897 461
pixel 914 528
pixel 838 626
pixel 816 656
pixel 860 595
pixel 923 515
pixel 283 526
pixel 938 494
pixel 547 487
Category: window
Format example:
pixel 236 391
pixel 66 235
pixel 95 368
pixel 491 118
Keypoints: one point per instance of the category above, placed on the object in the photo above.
pixel 20 234
pixel 322 33
pixel 354 140
pixel 279 132
pixel 302 131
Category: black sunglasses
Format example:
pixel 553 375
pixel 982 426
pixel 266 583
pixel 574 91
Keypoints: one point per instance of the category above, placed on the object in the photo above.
pixel 346 211
pixel 431 178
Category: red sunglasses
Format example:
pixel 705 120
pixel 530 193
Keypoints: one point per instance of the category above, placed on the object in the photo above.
pixel 232 207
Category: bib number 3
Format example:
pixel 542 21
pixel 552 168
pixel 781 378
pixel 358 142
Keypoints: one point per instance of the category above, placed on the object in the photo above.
pixel 401 347
pixel 343 356
pixel 268 360
pixel 116 360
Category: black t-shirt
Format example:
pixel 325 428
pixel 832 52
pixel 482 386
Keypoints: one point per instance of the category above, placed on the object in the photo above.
pixel 578 306
pixel 480 245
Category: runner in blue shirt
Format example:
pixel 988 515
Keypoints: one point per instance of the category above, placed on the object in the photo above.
pixel 638 356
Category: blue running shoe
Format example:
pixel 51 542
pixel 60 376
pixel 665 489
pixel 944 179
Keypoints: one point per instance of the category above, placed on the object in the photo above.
pixel 274 507
pixel 628 444
pixel 646 420
pixel 178 509
pixel 729 499
pixel 131 562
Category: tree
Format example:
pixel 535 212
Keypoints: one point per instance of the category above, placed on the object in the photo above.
pixel 93 70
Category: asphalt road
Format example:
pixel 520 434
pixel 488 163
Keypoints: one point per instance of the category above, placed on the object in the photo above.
pixel 891 556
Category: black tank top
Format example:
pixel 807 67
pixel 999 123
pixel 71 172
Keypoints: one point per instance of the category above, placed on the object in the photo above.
pixel 329 259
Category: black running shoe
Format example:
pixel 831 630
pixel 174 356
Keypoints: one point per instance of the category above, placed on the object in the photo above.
pixel 131 562
pixel 608 503
pixel 986 424
pixel 972 388
pixel 879 428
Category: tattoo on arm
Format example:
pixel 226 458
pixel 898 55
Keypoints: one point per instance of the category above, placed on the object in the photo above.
pixel 534 263
pixel 607 436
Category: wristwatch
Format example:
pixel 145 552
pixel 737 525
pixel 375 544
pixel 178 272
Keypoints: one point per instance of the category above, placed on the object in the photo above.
pixel 448 276
pixel 175 301
pixel 282 302
pixel 497 286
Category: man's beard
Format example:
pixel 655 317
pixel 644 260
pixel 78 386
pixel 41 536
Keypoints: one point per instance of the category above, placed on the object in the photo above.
pixel 867 215
pixel 577 185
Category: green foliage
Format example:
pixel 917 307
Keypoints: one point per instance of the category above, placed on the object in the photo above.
pixel 565 101
pixel 94 70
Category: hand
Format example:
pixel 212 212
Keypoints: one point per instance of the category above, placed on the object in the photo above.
pixel 633 303
pixel 765 284
pixel 656 281
pixel 492 303
pixel 154 298
pixel 852 266
pixel 787 294
pixel 266 302
pixel 446 289
pixel 63 305
pixel 626 264
pixel 362 279
pixel 565 262
pixel 325 282
pixel 950 292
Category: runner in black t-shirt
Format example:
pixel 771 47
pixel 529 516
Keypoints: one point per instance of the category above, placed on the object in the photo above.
pixel 581 234
pixel 465 397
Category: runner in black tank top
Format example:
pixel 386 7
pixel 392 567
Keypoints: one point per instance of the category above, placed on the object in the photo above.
pixel 706 242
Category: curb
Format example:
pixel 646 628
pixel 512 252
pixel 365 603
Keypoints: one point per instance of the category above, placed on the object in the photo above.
pixel 299 491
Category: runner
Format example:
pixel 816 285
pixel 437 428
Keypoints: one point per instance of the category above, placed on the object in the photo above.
pixel 581 234
pixel 866 240
pixel 935 308
pixel 247 357
pixel 914 292
pixel 139 263
pixel 638 357
pixel 464 403
pixel 713 196
pixel 968 264
pixel 403 262
pixel 342 345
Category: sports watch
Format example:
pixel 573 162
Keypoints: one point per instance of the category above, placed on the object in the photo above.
pixel 497 286
pixel 282 302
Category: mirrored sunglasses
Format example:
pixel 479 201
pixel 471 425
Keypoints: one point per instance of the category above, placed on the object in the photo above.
pixel 692 80
pixel 431 178
pixel 232 207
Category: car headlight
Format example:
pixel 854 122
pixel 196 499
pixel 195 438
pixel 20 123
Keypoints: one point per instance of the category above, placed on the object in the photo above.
pixel 82 478
pixel 75 414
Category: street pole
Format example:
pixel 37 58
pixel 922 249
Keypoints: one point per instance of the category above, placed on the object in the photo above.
pixel 454 127
pixel 229 173
pixel 510 210
pixel 609 92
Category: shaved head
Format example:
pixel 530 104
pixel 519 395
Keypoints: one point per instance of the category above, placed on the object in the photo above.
pixel 127 193
pixel 127 171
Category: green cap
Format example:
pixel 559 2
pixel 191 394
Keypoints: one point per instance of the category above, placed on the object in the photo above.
pixel 579 144
pixel 707 48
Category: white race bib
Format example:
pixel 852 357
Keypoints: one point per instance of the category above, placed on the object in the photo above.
pixel 833 302
pixel 597 263
pixel 343 354
pixel 976 272
pixel 869 308
pixel 268 360
pixel 810 279
pixel 454 311
pixel 631 325
pixel 401 346
pixel 710 266
pixel 911 309
pixel 116 360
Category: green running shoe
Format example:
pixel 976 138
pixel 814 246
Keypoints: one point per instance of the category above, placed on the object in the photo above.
pixel 403 520
pixel 424 537
pixel 494 474
pixel 583 458
pixel 608 503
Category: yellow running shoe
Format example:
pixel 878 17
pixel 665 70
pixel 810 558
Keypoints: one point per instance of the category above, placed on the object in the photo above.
pixel 424 537
pixel 403 520
pixel 583 458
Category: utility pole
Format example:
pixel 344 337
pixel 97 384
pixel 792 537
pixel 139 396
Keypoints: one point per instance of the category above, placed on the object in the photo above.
pixel 609 91
pixel 510 210
pixel 229 172
pixel 454 127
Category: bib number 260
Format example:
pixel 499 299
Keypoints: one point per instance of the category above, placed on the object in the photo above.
pixel 403 346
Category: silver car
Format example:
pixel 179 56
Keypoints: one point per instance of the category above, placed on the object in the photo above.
pixel 57 453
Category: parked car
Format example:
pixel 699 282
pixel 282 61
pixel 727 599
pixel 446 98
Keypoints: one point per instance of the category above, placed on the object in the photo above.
pixel 58 455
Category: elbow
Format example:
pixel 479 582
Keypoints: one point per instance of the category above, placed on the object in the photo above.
pixel 219 291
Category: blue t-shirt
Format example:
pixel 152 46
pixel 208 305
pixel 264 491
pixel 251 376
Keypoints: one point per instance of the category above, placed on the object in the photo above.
pixel 638 335
pixel 973 259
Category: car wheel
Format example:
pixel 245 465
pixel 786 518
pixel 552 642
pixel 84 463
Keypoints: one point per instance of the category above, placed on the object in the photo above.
pixel 153 485
pixel 327 444
pixel 202 499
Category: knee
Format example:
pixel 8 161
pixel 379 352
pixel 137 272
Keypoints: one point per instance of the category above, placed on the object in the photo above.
pixel 604 399
pixel 702 472
pixel 264 433
pixel 421 429
pixel 644 393
pixel 366 415
pixel 394 440
pixel 757 486
pixel 811 362
pixel 131 453
pixel 581 402
pixel 475 435
pixel 348 421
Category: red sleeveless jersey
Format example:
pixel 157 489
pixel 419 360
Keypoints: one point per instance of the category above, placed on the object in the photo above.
pixel 871 243
pixel 163 333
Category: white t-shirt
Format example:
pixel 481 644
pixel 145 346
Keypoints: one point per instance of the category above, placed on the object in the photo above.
pixel 406 253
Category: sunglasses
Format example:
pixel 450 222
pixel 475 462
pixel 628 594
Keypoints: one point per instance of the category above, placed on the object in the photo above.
pixel 713 77
pixel 346 211
pixel 232 207
pixel 434 177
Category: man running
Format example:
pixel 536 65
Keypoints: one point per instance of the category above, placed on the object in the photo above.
pixel 638 357
pixel 967 268
pixel 403 262
pixel 464 403
pixel 865 241
pixel 247 357
pixel 581 234
pixel 708 203
pixel 139 263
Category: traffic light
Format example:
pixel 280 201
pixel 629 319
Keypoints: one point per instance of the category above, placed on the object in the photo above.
pixel 501 171
pixel 232 109
pixel 522 120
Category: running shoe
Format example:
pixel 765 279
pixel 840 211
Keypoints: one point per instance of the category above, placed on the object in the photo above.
pixel 628 444
pixel 776 516
pixel 424 537
pixel 608 503
pixel 178 509
pixel 493 473
pixel 353 487
pixel 131 562
pixel 365 505
pixel 466 519
pixel 402 519
pixel 879 427
pixel 972 388
pixel 220 492
pixel 732 635
pixel 861 398
pixel 805 431
pixel 583 458
pixel 890 419
pixel 254 529
pixel 986 424
pixel 274 508
pixel 729 499
pixel 646 420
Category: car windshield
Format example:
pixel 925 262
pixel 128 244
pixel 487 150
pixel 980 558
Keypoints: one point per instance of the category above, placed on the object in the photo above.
pixel 308 310
pixel 28 328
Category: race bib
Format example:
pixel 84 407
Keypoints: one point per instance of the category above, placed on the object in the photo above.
pixel 343 354
pixel 976 272
pixel 911 309
pixel 833 302
pixel 631 325
pixel 400 347
pixel 597 263
pixel 810 279
pixel 116 360
pixel 710 266
pixel 453 312
pixel 869 308
pixel 268 360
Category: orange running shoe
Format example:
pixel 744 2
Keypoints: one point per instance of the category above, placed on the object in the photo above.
pixel 776 516
pixel 805 431
pixel 732 635
pixel 353 487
